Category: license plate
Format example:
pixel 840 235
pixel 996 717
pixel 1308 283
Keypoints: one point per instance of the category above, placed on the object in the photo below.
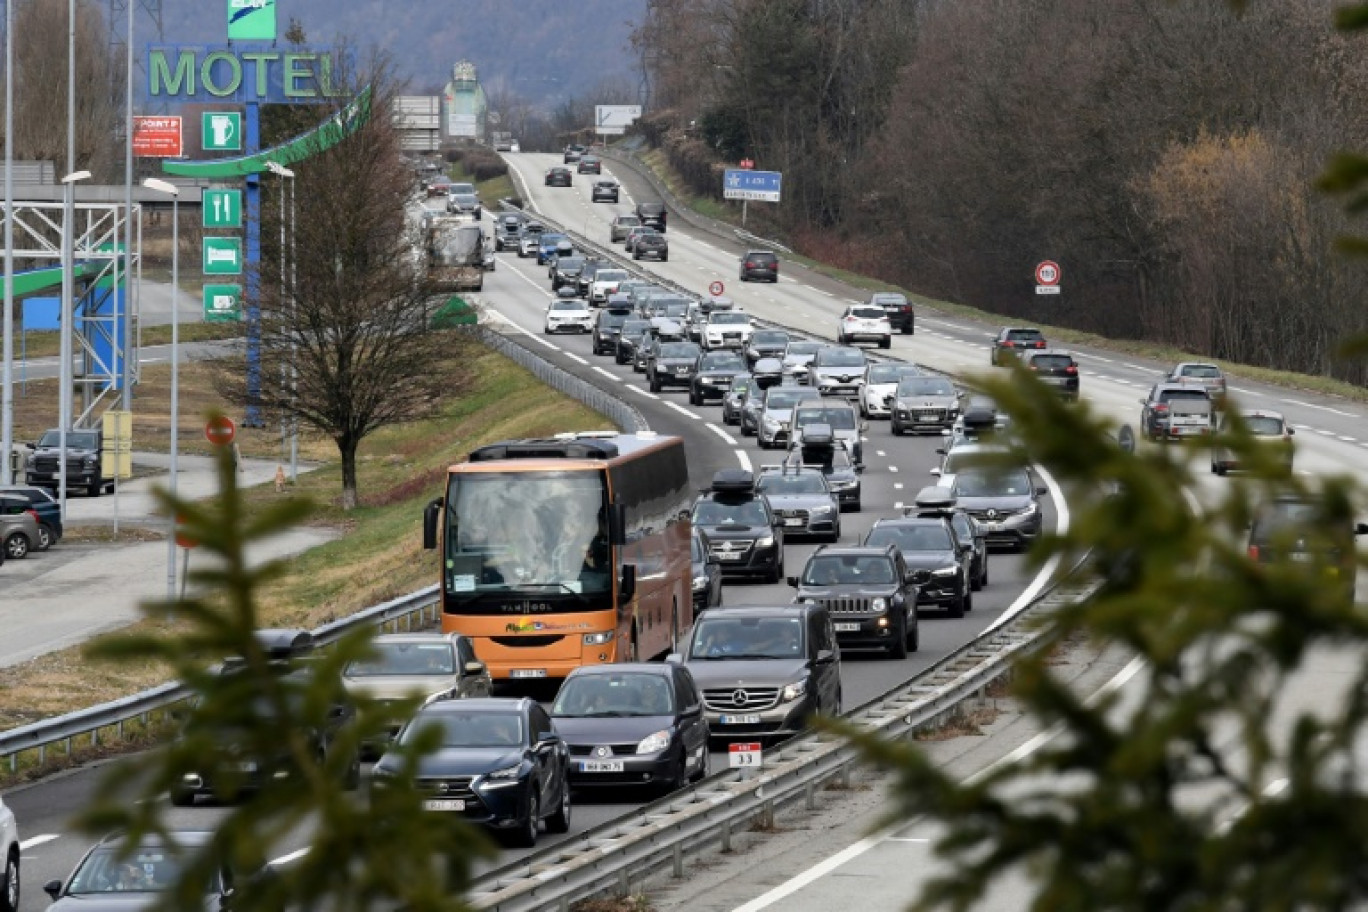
pixel 728 556
pixel 992 527
pixel 847 628
pixel 927 419
pixel 739 720
pixel 600 766
pixel 444 804
pixel 527 673
pixel 793 522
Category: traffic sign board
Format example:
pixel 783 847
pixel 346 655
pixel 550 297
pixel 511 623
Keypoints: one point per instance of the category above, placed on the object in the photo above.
pixel 222 303
pixel 1047 289
pixel 751 185
pixel 157 137
pixel 183 538
pixel 744 755
pixel 222 256
pixel 220 430
pixel 222 208
pixel 221 131
pixel 748 163
pixel 1047 273
pixel 716 288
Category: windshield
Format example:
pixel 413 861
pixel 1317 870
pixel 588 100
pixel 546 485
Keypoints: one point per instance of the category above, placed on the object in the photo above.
pixel 609 319
pixel 740 383
pixel 629 220
pixel 76 440
pixel 468 729
pixel 537 530
pixel 635 327
pixel 776 400
pixel 569 305
pixel 465 199
pixel 729 316
pixel 147 870
pixel 1024 335
pixel 1052 362
pixel 455 246
pixel 723 361
pixel 848 569
pixel 958 460
pixel 609 275
pixel 551 240
pixel 888 373
pixel 1264 426
pixel 615 696
pixel 993 484
pixel 911 538
pixel 730 513
pixel 840 357
pixel 462 190
pixel 679 350
pixel 925 386
pixel 748 638
pixel 566 263
pixel 798 483
pixel 404 659
pixel 802 348
pixel 840 419
pixel 675 310
pixel 887 299
pixel 769 337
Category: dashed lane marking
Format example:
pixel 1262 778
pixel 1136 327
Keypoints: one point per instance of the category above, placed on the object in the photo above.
pixel 609 374
pixel 682 410
pixel 723 434
pixel 34 841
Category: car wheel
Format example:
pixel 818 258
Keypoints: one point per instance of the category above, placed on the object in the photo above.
pixel 559 822
pixel 914 638
pixel 17 546
pixel 45 536
pixel 9 888
pixel 664 258
pixel 898 648
pixel 985 572
pixel 907 330
pixel 525 836
pixel 655 385
pixel 747 430
pixel 957 607
pixel 836 533
pixel 896 427
pixel 886 342
pixel 94 489
pixel 977 583
pixel 969 601
pixel 635 255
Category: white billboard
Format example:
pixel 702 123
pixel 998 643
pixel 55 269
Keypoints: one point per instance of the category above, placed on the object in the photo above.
pixel 613 120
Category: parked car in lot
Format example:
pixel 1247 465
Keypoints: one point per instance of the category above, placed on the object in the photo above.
pixel 632 723
pixel 499 763
pixel 50 528
pixel 741 528
pixel 673 365
pixel 764 672
pixel 621 226
pixel 922 404
pixel 1208 376
pixel 713 375
pixel 863 323
pixel 605 191
pixel 1012 341
pixel 802 499
pixel 870 595
pixel 651 245
pixel 1264 428
pixel 559 177
pixel 20 527
pixel 707 573
pixel 1056 369
pixel 759 266
pixel 837 370
pixel 897 308
pixel 569 315
pixel 1173 411
pixel 417 667
pixel 880 387
pixel 1005 501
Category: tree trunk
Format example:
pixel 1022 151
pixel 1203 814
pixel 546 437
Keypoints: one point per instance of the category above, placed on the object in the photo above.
pixel 346 447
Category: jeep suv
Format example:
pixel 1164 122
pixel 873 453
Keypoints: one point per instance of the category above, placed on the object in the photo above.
pixel 764 672
pixel 607 327
pixel 742 531
pixel 870 594
pixel 83 462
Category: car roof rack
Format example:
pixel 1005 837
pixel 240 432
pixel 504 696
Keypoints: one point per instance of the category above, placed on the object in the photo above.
pixel 733 481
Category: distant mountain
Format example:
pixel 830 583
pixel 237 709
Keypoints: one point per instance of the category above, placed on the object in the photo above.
pixel 545 52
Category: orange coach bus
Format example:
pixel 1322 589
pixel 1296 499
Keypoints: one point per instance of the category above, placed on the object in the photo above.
pixel 566 551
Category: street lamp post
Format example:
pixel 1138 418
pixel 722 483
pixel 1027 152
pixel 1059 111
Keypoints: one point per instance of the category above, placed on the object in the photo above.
pixel 173 191
pixel 68 317
pixel 7 418
pixel 283 172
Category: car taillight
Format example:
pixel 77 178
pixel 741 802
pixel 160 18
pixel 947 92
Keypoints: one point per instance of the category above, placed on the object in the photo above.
pixel 1161 407
pixel 1040 344
pixel 749 264
pixel 1070 370
pixel 1254 552
pixel 34 514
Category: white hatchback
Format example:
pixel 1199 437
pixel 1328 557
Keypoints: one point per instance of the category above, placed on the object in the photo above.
pixel 9 846
pixel 864 323
pixel 569 315
pixel 606 282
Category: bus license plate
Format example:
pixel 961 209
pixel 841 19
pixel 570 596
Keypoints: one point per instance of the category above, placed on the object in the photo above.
pixel 527 673
pixel 601 766
pixel 846 628
pixel 739 720
pixel 444 804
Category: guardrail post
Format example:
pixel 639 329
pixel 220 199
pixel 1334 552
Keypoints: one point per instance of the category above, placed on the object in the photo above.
pixel 678 861
pixel 726 836
pixel 119 729
pixel 765 819
pixel 95 737
pixel 66 744
pixel 843 776
pixel 625 882
pixel 810 796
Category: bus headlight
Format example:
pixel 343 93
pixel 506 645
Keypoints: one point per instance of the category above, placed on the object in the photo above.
pixel 598 639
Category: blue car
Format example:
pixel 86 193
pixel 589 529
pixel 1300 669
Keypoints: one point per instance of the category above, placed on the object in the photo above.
pixel 48 509
pixel 547 250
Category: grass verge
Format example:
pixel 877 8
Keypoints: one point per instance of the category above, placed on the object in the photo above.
pixel 47 343
pixel 379 554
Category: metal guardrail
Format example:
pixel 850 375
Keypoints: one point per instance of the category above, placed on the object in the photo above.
pixel 623 853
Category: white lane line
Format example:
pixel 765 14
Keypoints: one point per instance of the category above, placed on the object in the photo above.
pixel 723 434
pixel 892 468
pixel 638 390
pixel 897 486
pixel 609 374
pixel 743 458
pixel 1095 358
pixel 898 505
pixel 574 357
pixel 907 839
pixel 292 856
pixel 682 410
pixel 1349 439
pixel 1325 433
pixel 1240 389
pixel 34 841
pixel 880 453
pixel 1323 408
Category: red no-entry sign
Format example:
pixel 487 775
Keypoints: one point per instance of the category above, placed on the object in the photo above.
pixel 220 430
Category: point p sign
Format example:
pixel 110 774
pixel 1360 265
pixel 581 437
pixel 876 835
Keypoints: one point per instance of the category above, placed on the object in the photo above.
pixel 251 20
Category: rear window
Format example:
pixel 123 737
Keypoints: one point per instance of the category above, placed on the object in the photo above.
pixel 1024 335
pixel 867 313
pixel 1170 395
pixel 1053 362
pixel 651 208
pixel 761 257
pixel 1264 426
pixel 628 220
pixel 1201 371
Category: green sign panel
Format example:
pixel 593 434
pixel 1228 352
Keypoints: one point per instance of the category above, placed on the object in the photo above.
pixel 221 131
pixel 251 20
pixel 222 303
pixel 222 256
pixel 222 208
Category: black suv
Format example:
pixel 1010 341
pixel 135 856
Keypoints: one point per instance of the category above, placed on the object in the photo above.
pixel 897 308
pixel 871 596
pixel 566 270
pixel 713 375
pixel 759 266
pixel 1056 369
pixel 653 245
pixel 673 363
pixel 742 531
pixel 1013 340
pixel 940 564
pixel 652 214
pixel 607 327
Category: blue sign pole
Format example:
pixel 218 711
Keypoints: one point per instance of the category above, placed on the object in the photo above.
pixel 252 262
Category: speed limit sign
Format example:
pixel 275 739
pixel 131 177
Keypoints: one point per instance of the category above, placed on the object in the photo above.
pixel 1047 277
pixel 716 288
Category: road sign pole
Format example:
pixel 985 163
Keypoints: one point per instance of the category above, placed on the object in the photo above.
pixel 175 390
pixel 744 205
pixel 252 287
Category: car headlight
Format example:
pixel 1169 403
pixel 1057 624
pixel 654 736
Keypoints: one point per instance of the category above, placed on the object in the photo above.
pixel 1028 511
pixel 807 601
pixel 844 485
pixel 765 542
pixel 699 582
pixel 506 776
pixel 945 571
pixel 795 690
pixel 772 424
pixel 598 639
pixel 654 743
pixel 879 604
pixel 821 511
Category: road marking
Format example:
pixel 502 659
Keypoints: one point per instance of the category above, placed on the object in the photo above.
pixel 1349 439
pixel 907 839
pixel 640 391
pixel 1238 389
pixel 744 459
pixel 898 505
pixel 892 468
pixel 723 434
pixel 1095 358
pixel 292 856
pixel 897 486
pixel 682 410
pixel 1323 408
pixel 574 357
pixel 34 841
pixel 880 453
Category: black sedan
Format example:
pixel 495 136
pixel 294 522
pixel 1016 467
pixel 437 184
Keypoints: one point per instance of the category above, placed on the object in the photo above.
pixel 559 177
pixel 632 724
pixel 499 763
pixel 118 877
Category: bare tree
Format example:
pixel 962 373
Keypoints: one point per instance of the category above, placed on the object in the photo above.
pixel 354 322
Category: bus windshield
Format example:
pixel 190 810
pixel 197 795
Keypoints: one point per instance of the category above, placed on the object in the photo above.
pixel 456 246
pixel 540 532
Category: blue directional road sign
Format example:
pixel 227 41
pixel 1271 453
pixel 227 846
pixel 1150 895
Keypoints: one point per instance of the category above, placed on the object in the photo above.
pixel 738 184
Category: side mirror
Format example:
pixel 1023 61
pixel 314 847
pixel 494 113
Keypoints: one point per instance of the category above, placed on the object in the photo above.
pixel 824 657
pixel 1291 432
pixel 53 888
pixel 674 658
pixel 474 668
pixel 692 712
pixel 430 514
pixel 793 581
pixel 1042 491
pixel 859 469
pixel 547 742
pixel 627 584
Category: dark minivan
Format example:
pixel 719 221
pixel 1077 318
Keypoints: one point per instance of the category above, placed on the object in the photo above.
pixel 759 266
pixel 652 215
